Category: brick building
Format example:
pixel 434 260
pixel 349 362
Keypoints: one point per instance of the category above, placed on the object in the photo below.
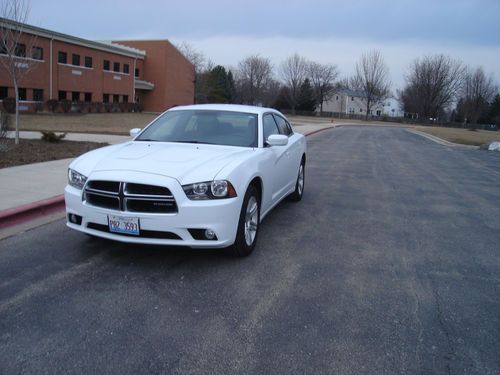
pixel 153 73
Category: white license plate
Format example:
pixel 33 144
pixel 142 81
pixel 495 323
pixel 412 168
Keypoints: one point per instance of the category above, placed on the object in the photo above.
pixel 125 225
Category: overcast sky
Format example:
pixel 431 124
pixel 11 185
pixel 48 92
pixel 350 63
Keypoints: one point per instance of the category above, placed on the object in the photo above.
pixel 331 31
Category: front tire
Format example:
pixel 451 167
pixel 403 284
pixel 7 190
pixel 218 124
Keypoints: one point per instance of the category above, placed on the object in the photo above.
pixel 299 185
pixel 248 225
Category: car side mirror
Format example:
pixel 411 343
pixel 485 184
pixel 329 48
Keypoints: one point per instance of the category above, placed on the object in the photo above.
pixel 277 140
pixel 134 132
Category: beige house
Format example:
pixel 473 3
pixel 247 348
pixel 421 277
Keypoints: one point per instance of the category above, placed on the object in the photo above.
pixel 351 102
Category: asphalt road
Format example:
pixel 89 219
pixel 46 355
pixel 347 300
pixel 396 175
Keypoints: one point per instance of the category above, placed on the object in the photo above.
pixel 389 265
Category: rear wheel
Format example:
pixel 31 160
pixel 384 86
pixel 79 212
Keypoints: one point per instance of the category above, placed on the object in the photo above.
pixel 248 225
pixel 299 185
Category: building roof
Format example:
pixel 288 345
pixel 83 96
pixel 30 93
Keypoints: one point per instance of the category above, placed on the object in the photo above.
pixel 54 35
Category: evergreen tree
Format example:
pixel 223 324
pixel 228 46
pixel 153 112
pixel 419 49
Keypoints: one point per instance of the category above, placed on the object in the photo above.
pixel 306 99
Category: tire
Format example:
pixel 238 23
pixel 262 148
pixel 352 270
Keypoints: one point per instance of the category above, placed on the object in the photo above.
pixel 299 184
pixel 248 224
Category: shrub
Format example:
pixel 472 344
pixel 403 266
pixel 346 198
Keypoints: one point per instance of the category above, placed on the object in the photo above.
pixel 52 105
pixel 52 137
pixel 96 106
pixel 4 124
pixel 65 105
pixel 38 106
pixel 9 104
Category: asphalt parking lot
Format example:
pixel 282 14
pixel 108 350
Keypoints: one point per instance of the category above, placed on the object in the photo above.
pixel 389 265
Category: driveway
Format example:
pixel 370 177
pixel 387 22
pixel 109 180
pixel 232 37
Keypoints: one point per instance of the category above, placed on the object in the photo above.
pixel 389 265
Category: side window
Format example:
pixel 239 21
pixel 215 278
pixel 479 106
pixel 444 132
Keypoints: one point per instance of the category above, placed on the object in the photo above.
pixel 283 125
pixel 269 126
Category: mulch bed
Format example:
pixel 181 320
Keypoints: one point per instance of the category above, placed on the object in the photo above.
pixel 35 151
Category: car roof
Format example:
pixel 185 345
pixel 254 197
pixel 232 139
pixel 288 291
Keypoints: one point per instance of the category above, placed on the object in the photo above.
pixel 225 107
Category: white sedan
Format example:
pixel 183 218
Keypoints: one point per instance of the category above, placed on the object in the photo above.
pixel 197 176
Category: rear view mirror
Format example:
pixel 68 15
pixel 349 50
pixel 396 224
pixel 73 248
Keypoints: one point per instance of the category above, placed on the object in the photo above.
pixel 277 140
pixel 134 132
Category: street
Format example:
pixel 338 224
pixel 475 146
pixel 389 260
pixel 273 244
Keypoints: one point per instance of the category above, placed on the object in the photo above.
pixel 389 265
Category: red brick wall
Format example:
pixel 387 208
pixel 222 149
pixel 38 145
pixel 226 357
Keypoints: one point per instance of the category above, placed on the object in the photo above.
pixel 170 72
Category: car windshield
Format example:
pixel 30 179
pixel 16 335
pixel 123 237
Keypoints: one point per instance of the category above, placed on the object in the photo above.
pixel 204 126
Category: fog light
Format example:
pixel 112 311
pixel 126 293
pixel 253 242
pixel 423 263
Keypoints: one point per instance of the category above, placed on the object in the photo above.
pixel 75 219
pixel 209 234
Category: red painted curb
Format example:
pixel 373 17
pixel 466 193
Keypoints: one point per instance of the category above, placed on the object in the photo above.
pixel 30 211
pixel 320 130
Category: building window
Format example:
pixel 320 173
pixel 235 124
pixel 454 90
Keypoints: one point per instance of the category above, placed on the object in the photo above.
pixel 20 50
pixel 116 67
pixel 116 98
pixel 137 72
pixel 22 93
pixel 62 57
pixel 37 53
pixel 3 48
pixel 106 65
pixel 4 92
pixel 88 97
pixel 337 98
pixel 125 98
pixel 76 60
pixel 38 95
pixel 88 62
pixel 125 68
pixel 62 95
pixel 352 98
pixel 105 98
pixel 75 96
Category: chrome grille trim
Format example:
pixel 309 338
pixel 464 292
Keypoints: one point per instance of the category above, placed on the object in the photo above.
pixel 138 201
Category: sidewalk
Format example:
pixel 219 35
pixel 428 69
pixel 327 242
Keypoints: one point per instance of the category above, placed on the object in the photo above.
pixel 28 190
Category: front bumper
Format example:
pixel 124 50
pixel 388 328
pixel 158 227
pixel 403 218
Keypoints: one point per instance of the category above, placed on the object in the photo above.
pixel 220 216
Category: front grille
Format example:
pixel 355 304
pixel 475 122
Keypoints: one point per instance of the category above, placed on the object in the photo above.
pixel 142 233
pixel 129 197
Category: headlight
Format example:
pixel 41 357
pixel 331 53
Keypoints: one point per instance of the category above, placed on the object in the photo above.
pixel 217 189
pixel 76 179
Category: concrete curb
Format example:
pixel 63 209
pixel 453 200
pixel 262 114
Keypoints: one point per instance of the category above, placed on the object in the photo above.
pixel 440 140
pixel 30 211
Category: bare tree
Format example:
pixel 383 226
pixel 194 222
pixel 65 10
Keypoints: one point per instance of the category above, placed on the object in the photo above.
pixel 323 78
pixel 476 93
pixel 432 85
pixel 15 43
pixel 371 79
pixel 196 57
pixel 254 74
pixel 293 71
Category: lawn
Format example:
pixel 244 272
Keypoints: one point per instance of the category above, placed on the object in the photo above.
pixel 462 136
pixel 104 123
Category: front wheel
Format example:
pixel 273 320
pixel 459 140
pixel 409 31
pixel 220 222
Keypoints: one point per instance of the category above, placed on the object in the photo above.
pixel 248 225
pixel 299 184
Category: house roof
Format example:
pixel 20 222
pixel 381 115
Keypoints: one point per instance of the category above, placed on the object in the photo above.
pixel 54 35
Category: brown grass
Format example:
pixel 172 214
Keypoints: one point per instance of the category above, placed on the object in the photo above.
pixel 462 136
pixel 103 123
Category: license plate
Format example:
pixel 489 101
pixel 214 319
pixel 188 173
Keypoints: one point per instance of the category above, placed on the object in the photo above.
pixel 124 225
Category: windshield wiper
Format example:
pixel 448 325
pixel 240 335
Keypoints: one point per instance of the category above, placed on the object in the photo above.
pixel 148 140
pixel 193 141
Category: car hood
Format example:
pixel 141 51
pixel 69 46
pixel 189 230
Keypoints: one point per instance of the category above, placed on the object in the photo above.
pixel 187 163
